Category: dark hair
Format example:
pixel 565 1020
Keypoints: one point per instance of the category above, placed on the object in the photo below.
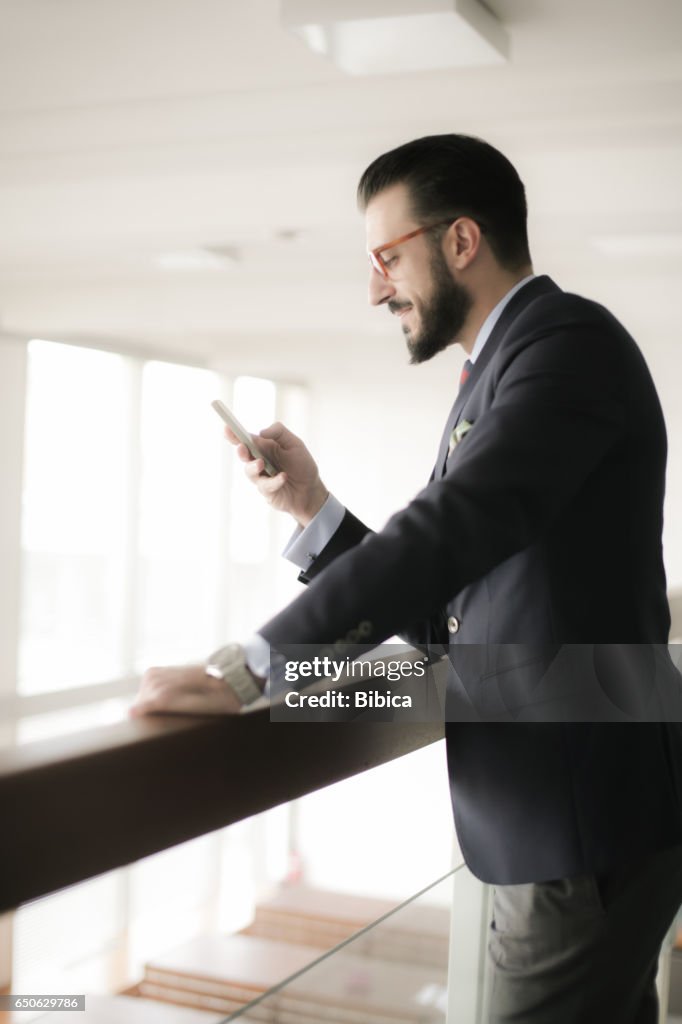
pixel 458 175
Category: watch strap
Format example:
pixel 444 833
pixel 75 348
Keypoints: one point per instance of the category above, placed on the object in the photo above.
pixel 229 663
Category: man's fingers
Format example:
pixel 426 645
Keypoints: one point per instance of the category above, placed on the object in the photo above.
pixel 254 468
pixel 157 707
pixel 193 700
pixel 149 684
pixel 255 471
pixel 183 689
pixel 244 454
pixel 270 485
pixel 266 435
pixel 242 451
pixel 278 433
pixel 139 709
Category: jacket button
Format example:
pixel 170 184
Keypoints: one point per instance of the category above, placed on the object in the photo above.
pixel 453 624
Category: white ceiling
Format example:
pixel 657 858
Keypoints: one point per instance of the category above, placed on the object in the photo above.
pixel 133 127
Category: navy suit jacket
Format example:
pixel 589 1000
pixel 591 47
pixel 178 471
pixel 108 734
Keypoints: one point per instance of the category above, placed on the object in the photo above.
pixel 541 528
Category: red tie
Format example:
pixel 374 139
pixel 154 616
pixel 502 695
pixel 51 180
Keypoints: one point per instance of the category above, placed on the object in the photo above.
pixel 464 375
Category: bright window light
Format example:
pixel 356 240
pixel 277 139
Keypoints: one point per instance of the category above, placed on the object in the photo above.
pixel 181 452
pixel 74 513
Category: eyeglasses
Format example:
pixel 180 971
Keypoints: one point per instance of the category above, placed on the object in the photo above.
pixel 374 255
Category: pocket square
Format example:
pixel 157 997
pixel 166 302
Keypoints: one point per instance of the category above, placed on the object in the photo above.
pixel 460 431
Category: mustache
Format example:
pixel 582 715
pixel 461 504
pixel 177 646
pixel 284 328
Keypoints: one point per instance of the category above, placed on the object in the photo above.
pixel 395 307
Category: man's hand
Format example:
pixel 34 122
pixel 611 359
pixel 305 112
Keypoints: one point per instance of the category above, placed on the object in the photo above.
pixel 183 690
pixel 297 488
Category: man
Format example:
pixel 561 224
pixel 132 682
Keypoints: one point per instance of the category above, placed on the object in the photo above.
pixel 540 527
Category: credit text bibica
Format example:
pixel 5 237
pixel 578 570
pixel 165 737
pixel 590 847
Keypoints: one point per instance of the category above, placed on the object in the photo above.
pixel 339 699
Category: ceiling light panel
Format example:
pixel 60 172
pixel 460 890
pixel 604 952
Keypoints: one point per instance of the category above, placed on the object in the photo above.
pixel 381 37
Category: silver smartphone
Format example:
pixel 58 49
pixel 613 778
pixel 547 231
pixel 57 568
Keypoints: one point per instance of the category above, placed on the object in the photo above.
pixel 239 431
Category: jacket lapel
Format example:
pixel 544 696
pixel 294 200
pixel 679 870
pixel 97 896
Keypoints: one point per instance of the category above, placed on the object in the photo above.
pixel 538 286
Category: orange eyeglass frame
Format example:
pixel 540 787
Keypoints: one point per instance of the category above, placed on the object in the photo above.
pixel 374 255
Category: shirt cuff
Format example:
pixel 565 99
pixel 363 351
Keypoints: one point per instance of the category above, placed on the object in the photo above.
pixel 257 654
pixel 305 544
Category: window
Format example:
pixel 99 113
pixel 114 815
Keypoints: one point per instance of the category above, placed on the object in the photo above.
pixel 141 541
pixel 73 517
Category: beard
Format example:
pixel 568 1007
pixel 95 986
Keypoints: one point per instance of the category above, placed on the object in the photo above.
pixel 441 318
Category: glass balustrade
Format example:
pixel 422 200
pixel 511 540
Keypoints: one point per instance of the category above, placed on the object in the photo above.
pixel 394 971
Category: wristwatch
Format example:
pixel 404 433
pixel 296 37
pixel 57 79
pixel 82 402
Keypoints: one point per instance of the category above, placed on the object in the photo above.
pixel 229 663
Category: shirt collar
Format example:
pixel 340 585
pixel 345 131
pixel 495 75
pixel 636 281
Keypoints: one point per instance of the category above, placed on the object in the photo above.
pixel 492 318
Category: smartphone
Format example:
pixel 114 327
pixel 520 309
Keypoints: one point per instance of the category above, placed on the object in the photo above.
pixel 239 431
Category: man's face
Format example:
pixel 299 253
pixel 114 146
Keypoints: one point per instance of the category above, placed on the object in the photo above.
pixel 421 291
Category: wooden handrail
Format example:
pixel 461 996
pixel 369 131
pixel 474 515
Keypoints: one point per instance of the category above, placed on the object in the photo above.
pixel 79 805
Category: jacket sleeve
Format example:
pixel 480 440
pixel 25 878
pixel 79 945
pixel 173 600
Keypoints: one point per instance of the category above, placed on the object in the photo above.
pixel 547 430
pixel 351 531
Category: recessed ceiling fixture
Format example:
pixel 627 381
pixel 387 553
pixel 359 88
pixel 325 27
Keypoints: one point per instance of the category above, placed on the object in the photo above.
pixel 379 37
pixel 208 258
pixel 288 234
